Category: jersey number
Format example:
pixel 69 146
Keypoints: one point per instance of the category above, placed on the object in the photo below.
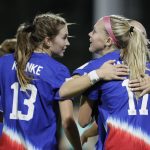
pixel 16 114
pixel 132 110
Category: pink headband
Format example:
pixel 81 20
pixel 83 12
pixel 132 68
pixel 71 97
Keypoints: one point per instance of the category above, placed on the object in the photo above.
pixel 107 24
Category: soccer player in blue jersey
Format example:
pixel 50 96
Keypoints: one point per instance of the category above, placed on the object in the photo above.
pixel 124 115
pixel 144 84
pixel 29 83
pixel 7 46
pixel 1 118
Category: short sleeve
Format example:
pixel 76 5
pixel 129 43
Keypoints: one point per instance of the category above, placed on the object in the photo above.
pixel 82 70
pixel 60 78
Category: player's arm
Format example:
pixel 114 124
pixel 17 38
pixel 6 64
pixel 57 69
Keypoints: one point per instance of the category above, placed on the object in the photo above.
pixel 79 84
pixel 90 132
pixel 85 111
pixel 68 123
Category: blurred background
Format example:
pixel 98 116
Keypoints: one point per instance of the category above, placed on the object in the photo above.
pixel 84 13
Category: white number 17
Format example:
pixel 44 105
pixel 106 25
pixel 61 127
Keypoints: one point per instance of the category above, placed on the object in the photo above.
pixel 132 110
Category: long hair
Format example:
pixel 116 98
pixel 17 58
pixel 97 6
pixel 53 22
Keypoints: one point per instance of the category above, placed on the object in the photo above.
pixel 30 36
pixel 134 46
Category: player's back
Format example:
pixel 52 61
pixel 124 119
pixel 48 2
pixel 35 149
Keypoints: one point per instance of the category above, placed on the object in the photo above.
pixel 29 117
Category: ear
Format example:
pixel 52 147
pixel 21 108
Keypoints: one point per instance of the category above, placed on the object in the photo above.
pixel 48 41
pixel 109 41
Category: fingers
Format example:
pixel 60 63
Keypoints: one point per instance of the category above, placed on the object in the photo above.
pixel 136 89
pixel 122 73
pixel 133 85
pixel 146 91
pixel 140 88
pixel 122 70
pixel 138 83
pixel 121 66
pixel 134 81
pixel 118 78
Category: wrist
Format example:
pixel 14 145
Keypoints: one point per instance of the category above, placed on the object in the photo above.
pixel 100 73
pixel 93 76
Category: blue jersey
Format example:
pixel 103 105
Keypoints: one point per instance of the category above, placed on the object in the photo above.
pixel 126 120
pixel 1 124
pixel 85 69
pixel 30 114
pixel 0 105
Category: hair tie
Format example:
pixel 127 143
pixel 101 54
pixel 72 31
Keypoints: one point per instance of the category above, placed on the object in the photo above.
pixel 107 24
pixel 131 29
pixel 29 28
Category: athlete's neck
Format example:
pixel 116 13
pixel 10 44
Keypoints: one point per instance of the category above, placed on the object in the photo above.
pixel 105 51
pixel 42 50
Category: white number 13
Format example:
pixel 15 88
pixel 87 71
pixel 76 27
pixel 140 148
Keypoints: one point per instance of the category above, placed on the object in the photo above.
pixel 16 114
pixel 132 110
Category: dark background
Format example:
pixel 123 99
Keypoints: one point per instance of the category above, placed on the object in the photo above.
pixel 15 12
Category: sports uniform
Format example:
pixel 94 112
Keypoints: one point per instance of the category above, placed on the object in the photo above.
pixel 30 114
pixel 125 119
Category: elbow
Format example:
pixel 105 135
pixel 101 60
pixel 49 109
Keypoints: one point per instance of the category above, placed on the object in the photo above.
pixel 64 93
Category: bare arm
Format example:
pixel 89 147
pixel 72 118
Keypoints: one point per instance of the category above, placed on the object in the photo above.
pixel 68 123
pixel 85 111
pixel 90 132
pixel 79 84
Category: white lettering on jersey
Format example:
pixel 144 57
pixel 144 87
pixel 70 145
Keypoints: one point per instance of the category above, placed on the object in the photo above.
pixel 30 67
pixel 132 111
pixel 17 114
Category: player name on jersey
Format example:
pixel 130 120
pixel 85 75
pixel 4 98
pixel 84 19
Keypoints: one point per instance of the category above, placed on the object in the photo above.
pixel 30 67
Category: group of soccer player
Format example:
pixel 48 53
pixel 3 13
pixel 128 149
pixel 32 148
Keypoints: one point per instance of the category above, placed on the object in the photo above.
pixel 34 87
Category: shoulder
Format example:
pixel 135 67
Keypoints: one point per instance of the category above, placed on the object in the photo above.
pixel 57 66
pixel 96 63
pixel 6 56
pixel 6 59
pixel 54 71
pixel 48 62
pixel 82 69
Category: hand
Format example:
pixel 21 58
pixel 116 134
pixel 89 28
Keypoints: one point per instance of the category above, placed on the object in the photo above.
pixel 83 138
pixel 109 71
pixel 142 85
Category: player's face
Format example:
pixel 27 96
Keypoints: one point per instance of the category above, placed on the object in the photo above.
pixel 97 37
pixel 60 42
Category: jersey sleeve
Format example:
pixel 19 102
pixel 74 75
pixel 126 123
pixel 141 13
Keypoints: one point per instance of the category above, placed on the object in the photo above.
pixel 82 70
pixel 62 74
pixel 89 66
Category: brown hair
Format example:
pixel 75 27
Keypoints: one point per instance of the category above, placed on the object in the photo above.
pixel 30 36
pixel 8 46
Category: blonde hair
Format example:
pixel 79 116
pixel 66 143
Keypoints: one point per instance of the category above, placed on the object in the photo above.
pixel 30 36
pixel 133 44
